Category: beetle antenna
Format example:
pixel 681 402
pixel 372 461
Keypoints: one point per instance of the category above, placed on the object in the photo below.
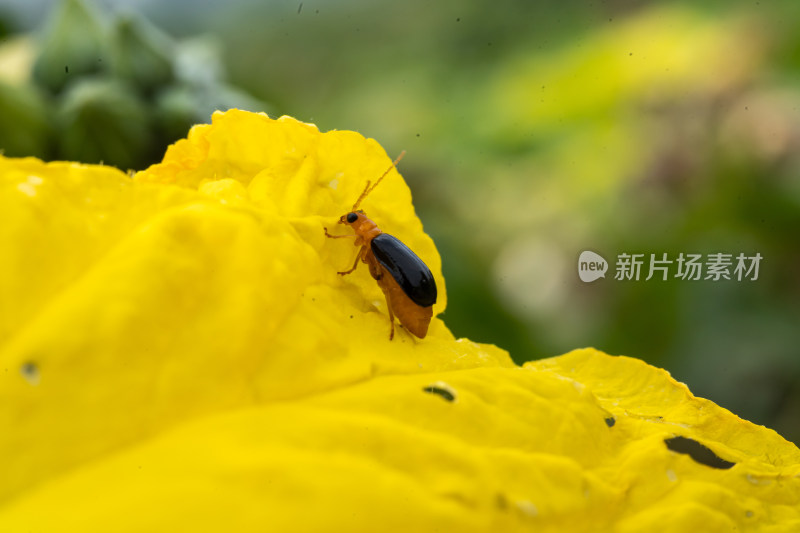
pixel 369 189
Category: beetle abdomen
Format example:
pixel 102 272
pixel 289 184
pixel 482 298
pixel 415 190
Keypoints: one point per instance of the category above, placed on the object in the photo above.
pixel 408 270
pixel 414 318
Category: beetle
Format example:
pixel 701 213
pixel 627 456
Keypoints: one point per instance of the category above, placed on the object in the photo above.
pixel 406 282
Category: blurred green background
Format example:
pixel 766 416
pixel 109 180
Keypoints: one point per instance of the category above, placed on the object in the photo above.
pixel 534 131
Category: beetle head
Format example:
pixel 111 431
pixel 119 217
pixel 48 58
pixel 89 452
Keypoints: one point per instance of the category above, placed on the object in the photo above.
pixel 351 217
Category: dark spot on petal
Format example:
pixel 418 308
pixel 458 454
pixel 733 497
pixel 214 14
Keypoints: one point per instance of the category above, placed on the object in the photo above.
pixel 610 421
pixel 441 390
pixel 501 501
pixel 30 371
pixel 698 452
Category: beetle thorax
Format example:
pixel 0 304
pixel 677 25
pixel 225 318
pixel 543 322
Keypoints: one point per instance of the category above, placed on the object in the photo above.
pixel 363 226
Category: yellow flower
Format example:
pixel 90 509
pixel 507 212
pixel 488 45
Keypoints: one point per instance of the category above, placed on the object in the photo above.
pixel 178 354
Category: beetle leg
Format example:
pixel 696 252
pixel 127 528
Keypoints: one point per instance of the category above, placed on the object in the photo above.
pixel 391 317
pixel 338 236
pixel 358 257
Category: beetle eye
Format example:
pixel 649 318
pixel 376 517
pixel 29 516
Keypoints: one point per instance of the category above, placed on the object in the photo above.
pixel 351 217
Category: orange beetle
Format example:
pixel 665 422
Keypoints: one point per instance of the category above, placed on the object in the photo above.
pixel 406 282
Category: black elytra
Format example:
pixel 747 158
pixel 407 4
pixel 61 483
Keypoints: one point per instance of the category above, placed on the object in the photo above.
pixel 408 270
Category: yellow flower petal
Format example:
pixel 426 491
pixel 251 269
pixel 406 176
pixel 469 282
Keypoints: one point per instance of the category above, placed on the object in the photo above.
pixel 179 354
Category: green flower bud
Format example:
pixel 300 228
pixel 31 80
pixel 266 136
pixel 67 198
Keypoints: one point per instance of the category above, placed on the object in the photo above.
pixel 72 44
pixel 142 53
pixel 103 121
pixel 181 106
pixel 198 61
pixel 24 122
pixel 229 97
pixel 178 109
pixel 201 74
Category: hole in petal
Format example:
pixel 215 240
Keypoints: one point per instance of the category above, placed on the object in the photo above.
pixel 697 452
pixel 441 389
